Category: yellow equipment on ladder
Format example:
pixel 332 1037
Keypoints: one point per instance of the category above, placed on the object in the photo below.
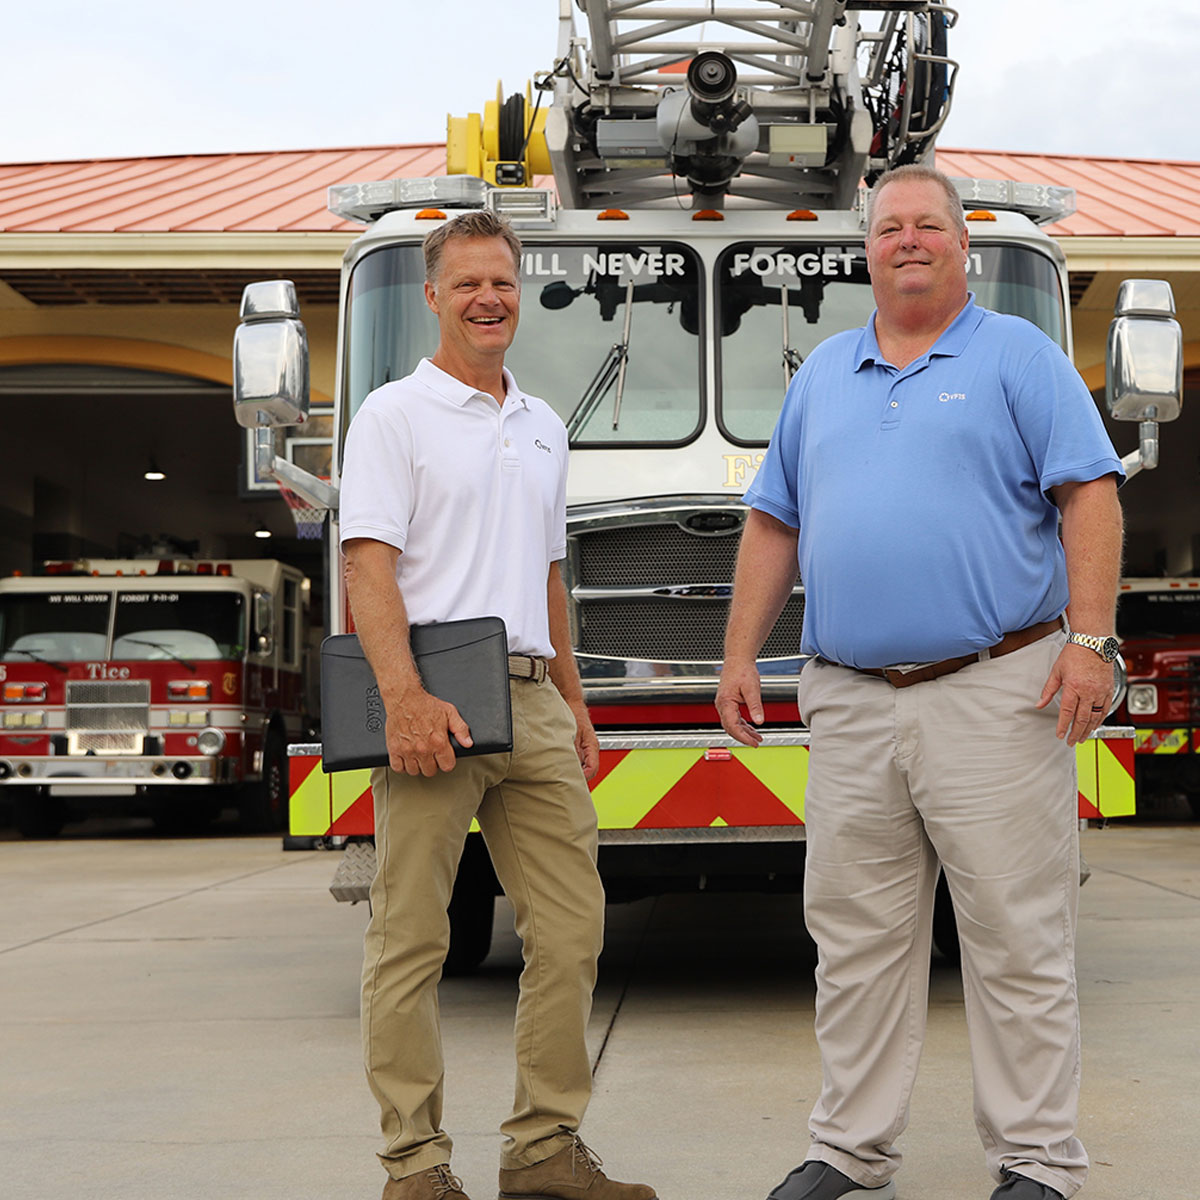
pixel 505 147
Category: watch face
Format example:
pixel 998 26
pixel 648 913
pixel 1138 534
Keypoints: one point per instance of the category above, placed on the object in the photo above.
pixel 1110 648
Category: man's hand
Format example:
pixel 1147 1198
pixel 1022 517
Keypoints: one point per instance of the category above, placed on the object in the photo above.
pixel 740 686
pixel 587 745
pixel 419 727
pixel 1086 683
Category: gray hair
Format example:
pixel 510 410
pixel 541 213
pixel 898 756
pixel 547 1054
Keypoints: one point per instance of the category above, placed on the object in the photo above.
pixel 919 173
pixel 479 223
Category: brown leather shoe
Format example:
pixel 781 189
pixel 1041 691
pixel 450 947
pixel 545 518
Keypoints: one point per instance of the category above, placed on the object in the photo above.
pixel 572 1174
pixel 434 1184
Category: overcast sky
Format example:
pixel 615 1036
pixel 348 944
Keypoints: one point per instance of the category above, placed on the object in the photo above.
pixel 92 79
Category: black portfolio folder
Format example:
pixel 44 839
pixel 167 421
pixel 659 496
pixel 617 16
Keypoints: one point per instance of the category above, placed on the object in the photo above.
pixel 464 662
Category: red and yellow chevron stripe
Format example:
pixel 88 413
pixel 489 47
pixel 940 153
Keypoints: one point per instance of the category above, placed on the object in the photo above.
pixel 1164 741
pixel 687 787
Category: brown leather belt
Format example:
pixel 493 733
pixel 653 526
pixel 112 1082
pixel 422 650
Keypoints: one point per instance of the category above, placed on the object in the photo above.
pixel 527 666
pixel 1006 645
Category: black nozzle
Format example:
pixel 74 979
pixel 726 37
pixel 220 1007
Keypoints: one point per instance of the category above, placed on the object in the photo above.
pixel 711 77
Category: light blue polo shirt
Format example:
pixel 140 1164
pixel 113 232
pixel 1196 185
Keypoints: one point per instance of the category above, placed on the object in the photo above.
pixel 920 494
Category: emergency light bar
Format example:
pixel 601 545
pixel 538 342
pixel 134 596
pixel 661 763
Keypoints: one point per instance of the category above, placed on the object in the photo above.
pixel 1042 203
pixel 367 202
pixel 523 207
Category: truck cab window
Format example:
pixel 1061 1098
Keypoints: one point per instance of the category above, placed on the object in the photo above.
pixel 608 337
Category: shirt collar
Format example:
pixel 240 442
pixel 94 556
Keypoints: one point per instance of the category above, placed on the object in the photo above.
pixel 457 392
pixel 951 343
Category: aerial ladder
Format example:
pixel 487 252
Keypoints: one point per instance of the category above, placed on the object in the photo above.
pixel 752 103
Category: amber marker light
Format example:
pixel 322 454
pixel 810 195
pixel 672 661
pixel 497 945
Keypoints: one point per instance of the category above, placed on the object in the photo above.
pixel 612 214
pixel 802 214
pixel 708 214
pixel 430 214
pixel 981 214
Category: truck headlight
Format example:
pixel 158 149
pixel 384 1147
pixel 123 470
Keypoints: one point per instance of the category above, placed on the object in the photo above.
pixel 1142 699
pixel 210 741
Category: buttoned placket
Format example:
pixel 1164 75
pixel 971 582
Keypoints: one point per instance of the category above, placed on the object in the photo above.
pixel 506 446
pixel 893 409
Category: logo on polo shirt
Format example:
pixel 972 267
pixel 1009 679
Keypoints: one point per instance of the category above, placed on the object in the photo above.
pixel 946 397
pixel 542 445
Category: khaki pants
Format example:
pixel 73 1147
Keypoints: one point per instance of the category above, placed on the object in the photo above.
pixel 965 771
pixel 539 823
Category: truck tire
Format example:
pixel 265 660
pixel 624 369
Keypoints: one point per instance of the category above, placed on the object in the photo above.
pixel 264 805
pixel 472 909
pixel 37 815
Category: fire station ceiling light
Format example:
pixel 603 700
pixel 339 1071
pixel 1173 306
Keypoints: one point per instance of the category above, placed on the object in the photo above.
pixel 153 472
pixel 262 531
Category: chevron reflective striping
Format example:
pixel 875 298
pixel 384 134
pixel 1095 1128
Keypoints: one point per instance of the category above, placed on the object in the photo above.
pixel 721 790
pixel 1161 741
pixel 1114 771
pixel 782 769
pixel 308 805
pixel 350 789
pixel 637 781
pixel 1087 779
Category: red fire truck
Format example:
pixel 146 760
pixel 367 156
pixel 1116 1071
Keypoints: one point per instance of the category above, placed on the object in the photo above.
pixel 1158 621
pixel 172 686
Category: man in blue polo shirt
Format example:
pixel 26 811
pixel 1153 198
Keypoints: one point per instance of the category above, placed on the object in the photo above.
pixel 961 647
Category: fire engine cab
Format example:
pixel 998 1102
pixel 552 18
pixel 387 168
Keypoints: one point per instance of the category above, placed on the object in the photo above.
pixel 172 685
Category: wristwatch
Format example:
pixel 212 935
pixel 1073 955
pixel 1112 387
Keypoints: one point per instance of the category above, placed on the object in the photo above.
pixel 1106 647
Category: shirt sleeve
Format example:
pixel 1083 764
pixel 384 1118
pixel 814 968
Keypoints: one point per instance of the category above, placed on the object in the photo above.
pixel 1060 423
pixel 556 530
pixel 775 489
pixel 376 483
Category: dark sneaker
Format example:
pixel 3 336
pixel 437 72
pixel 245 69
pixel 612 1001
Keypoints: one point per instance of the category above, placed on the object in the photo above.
pixel 819 1181
pixel 572 1174
pixel 435 1184
pixel 1021 1187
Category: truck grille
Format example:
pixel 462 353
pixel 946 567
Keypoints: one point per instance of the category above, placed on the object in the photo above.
pixel 109 717
pixel 649 555
pixel 624 556
pixel 1182 682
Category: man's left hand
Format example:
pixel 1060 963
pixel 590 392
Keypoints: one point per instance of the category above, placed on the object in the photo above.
pixel 1086 683
pixel 587 746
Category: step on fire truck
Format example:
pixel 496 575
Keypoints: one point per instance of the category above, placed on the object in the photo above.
pixel 703 234
pixel 170 685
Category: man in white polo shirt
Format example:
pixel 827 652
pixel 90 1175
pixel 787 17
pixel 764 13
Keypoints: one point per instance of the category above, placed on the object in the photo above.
pixel 453 505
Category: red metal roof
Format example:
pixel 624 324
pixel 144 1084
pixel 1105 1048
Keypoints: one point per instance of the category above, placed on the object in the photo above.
pixel 284 191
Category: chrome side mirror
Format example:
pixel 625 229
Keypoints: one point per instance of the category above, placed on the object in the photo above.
pixel 1144 379
pixel 263 616
pixel 270 358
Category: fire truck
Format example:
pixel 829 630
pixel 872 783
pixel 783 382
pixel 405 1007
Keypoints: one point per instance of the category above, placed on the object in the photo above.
pixel 171 685
pixel 703 233
pixel 1158 621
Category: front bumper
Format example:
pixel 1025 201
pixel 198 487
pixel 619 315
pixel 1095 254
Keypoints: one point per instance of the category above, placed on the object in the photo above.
pixel 116 775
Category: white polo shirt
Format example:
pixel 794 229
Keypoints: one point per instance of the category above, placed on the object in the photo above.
pixel 472 494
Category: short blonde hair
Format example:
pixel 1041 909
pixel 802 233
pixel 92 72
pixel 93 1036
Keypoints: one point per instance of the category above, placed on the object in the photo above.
pixel 481 223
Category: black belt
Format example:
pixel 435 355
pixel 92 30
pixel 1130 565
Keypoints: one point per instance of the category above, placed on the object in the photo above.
pixel 1006 645
pixel 527 666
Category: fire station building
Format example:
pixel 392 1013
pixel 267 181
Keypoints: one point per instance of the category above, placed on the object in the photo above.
pixel 119 289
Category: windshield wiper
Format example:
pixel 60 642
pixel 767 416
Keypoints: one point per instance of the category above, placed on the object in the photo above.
pixel 612 368
pixel 46 662
pixel 160 646
pixel 792 358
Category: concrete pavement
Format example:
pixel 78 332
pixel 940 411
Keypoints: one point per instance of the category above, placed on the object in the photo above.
pixel 179 1018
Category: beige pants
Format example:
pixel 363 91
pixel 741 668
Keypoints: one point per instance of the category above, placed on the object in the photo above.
pixel 965 771
pixel 538 821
